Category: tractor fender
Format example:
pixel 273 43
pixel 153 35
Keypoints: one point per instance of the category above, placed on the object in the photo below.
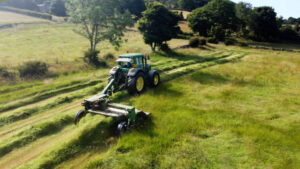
pixel 113 71
pixel 151 73
pixel 135 72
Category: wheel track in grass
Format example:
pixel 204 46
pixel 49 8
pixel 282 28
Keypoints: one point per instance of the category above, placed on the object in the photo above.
pixel 195 67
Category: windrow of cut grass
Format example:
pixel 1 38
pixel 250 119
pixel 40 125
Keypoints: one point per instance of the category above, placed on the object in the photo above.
pixel 93 133
pixel 20 115
pixel 20 92
pixel 76 146
pixel 31 134
pixel 46 95
pixel 178 64
pixel 24 85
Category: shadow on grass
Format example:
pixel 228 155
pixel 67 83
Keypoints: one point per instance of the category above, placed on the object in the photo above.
pixel 189 57
pixel 208 78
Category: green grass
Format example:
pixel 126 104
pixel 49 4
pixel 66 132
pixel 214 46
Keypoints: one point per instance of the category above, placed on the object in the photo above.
pixel 13 18
pixel 211 119
pixel 217 107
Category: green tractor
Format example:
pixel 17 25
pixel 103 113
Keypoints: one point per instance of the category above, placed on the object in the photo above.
pixel 133 74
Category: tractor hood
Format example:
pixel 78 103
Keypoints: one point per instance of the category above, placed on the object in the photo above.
pixel 118 68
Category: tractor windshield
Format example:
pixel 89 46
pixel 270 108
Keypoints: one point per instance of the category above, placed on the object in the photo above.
pixel 125 62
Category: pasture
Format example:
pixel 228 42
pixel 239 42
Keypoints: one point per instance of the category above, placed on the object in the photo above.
pixel 217 106
pixel 14 18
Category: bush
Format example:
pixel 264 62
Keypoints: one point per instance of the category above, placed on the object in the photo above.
pixel 243 44
pixel 108 56
pixel 213 40
pixel 194 42
pixel 27 12
pixel 230 41
pixel 289 34
pixel 164 47
pixel 218 33
pixel 5 74
pixel 58 8
pixel 91 57
pixel 33 69
pixel 202 42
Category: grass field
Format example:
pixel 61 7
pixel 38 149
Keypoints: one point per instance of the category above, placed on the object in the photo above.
pixel 217 107
pixel 14 18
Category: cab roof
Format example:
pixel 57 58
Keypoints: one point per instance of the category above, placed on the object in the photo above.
pixel 131 55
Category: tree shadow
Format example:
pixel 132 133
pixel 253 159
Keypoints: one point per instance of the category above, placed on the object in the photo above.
pixel 189 57
pixel 208 78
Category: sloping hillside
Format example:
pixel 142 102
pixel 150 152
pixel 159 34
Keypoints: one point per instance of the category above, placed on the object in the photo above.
pixel 217 107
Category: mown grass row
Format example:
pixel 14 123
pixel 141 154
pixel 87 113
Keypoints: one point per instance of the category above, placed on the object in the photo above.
pixel 179 64
pixel 18 93
pixel 90 135
pixel 33 133
pixel 93 133
pixel 46 95
pixel 15 116
pixel 7 89
pixel 193 68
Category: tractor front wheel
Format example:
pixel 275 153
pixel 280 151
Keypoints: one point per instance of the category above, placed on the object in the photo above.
pixel 154 78
pixel 136 84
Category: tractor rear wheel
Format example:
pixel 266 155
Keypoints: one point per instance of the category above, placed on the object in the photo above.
pixel 136 84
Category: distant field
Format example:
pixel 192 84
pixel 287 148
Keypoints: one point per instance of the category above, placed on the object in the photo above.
pixel 10 18
pixel 185 13
pixel 58 45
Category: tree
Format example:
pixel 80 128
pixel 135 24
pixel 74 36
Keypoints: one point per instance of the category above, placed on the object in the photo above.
pixel 99 20
pixel 158 25
pixel 263 24
pixel 135 7
pixel 292 20
pixel 243 13
pixel 191 4
pixel 289 34
pixel 217 13
pixel 200 21
pixel 58 8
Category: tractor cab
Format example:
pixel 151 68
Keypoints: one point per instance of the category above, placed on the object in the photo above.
pixel 125 62
pixel 133 60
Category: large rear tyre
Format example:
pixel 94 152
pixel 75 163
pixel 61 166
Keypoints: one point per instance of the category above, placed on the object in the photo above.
pixel 154 78
pixel 136 84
